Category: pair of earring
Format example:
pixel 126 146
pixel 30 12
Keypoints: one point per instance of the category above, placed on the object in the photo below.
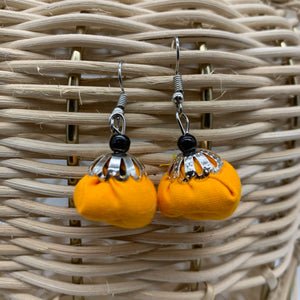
pixel 198 184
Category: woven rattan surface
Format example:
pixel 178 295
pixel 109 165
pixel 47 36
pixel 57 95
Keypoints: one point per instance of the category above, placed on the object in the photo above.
pixel 253 51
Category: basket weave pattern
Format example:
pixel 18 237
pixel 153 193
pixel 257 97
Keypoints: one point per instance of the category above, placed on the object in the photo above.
pixel 253 52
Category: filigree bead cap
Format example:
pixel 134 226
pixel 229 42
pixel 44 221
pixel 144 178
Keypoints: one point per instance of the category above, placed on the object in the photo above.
pixel 191 163
pixel 118 164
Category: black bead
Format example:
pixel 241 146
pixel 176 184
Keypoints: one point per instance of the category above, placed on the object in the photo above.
pixel 187 144
pixel 119 143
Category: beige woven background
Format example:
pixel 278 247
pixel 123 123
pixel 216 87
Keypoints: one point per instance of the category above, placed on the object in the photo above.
pixel 253 51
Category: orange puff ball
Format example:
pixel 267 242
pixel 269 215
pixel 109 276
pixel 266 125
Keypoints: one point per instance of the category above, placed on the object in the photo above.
pixel 127 204
pixel 213 198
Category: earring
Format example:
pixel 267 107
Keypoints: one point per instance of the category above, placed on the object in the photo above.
pixel 117 190
pixel 198 184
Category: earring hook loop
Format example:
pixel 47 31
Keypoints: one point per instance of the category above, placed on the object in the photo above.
pixel 117 120
pixel 175 43
pixel 120 76
pixel 178 95
pixel 180 115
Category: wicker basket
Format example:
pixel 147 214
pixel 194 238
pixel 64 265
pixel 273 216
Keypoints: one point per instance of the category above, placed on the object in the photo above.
pixel 68 52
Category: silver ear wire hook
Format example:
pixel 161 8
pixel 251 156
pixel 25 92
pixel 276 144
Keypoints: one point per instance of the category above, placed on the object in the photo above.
pixel 123 97
pixel 119 164
pixel 178 97
pixel 187 122
pixel 177 47
pixel 117 120
pixel 120 76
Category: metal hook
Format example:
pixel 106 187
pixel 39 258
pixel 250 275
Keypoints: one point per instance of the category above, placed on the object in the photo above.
pixel 117 120
pixel 176 42
pixel 187 122
pixel 123 97
pixel 178 95
pixel 120 76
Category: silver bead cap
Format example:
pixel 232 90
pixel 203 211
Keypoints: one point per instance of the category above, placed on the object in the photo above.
pixel 203 157
pixel 119 166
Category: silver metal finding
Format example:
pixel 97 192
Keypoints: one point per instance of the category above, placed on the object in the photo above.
pixel 117 120
pixel 190 163
pixel 187 122
pixel 177 47
pixel 208 161
pixel 118 164
pixel 120 76
pixel 178 96
pixel 121 167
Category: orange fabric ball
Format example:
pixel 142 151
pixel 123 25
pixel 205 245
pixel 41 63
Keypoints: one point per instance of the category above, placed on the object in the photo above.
pixel 127 204
pixel 213 198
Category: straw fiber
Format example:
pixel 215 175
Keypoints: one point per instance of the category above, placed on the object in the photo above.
pixel 54 52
